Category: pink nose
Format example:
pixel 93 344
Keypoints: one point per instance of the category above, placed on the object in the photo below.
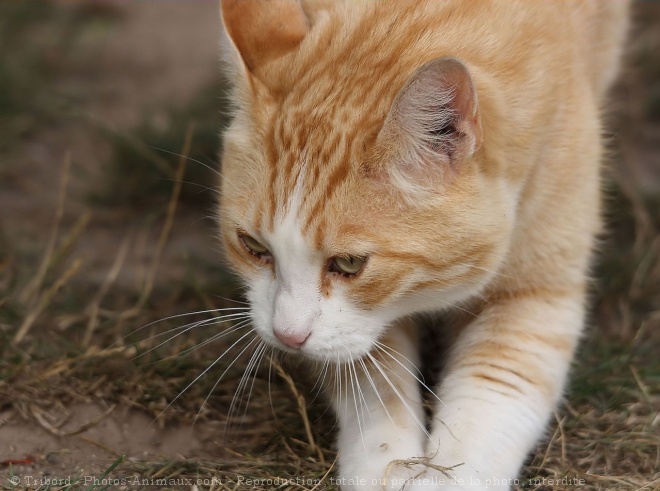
pixel 292 339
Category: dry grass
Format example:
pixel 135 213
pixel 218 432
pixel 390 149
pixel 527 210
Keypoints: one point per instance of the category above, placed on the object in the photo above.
pixel 67 339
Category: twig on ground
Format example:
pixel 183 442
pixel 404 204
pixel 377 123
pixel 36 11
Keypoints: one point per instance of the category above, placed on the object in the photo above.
pixel 29 292
pixel 302 408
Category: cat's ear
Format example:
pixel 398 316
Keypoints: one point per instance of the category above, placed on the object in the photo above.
pixel 258 31
pixel 433 125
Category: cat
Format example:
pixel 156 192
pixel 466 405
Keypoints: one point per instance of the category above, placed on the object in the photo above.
pixel 396 157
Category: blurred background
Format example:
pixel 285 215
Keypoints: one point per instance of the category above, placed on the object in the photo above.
pixel 110 116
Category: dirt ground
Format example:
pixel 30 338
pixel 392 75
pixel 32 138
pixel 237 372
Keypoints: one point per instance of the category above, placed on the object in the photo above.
pixel 78 273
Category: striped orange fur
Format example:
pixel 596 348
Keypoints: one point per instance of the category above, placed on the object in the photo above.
pixel 451 150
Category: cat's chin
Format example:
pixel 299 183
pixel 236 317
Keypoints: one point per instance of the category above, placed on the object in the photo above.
pixel 339 355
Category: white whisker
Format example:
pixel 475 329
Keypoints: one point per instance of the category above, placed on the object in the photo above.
pixel 187 158
pixel 360 392
pixel 232 299
pixel 225 372
pixel 373 386
pixel 203 373
pixel 379 367
pixel 389 348
pixel 199 312
pixel 200 323
pixel 320 380
pixel 242 385
pixel 215 337
pixel 355 402
pixel 212 339
pixel 186 328
pixel 264 347
pixel 270 378
pixel 412 374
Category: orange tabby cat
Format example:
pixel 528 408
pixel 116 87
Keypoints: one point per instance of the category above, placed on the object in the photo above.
pixel 388 158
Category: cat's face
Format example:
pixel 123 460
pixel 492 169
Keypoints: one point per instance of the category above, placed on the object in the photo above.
pixel 347 203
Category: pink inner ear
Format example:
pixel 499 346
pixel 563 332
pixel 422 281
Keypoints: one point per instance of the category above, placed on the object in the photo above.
pixel 440 95
pixel 264 30
pixel 432 128
pixel 464 102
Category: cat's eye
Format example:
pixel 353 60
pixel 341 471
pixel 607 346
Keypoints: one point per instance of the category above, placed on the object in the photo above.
pixel 347 265
pixel 253 246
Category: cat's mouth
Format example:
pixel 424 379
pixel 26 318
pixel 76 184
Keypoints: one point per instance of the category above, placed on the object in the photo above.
pixel 338 355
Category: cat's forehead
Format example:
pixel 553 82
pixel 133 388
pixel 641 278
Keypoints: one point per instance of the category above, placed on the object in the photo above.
pixel 311 168
pixel 309 205
pixel 308 235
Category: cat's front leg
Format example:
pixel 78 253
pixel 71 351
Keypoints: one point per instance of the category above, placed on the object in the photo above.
pixel 504 377
pixel 378 403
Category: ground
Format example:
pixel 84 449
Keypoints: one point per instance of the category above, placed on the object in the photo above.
pixel 104 229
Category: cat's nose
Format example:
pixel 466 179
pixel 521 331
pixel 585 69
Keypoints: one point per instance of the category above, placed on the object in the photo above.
pixel 292 339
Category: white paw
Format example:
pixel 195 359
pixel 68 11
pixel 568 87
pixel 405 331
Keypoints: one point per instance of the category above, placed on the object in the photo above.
pixel 368 472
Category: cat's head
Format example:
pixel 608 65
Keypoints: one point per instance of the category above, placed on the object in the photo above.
pixel 354 190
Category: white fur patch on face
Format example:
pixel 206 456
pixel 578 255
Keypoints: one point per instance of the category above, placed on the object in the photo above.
pixel 288 308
